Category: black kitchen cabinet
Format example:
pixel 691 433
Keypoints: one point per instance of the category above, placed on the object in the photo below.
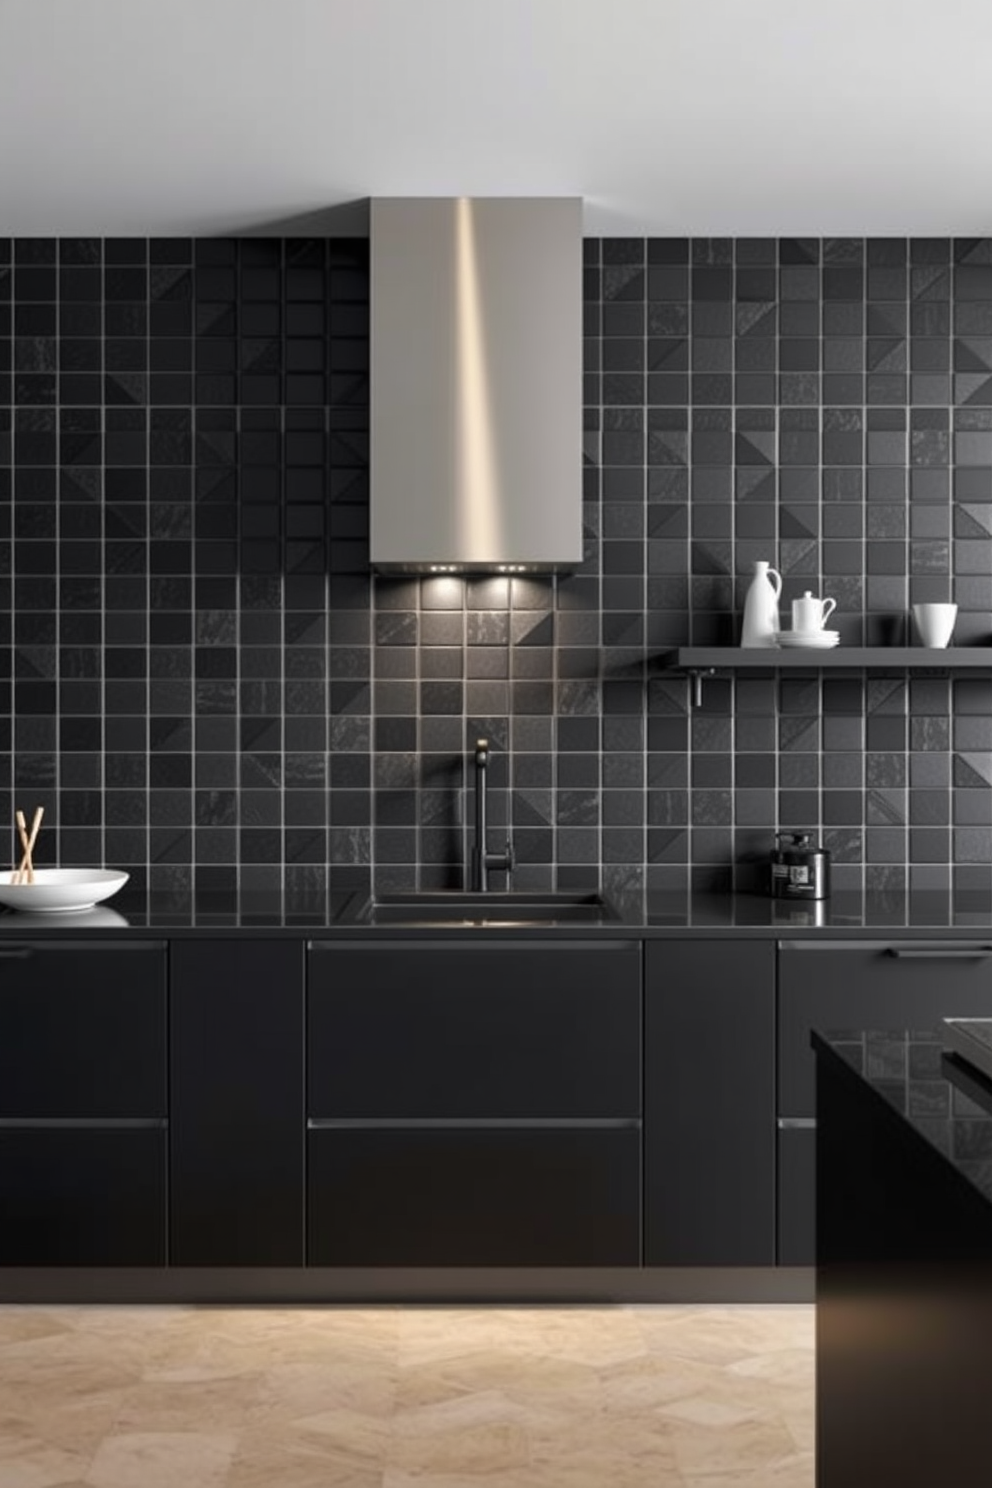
pixel 709 1103
pixel 420 1029
pixel 474 1105
pixel 451 1195
pixel 82 1029
pixel 83 1195
pixel 83 1103
pixel 437 1101
pixel 838 985
pixel 237 1128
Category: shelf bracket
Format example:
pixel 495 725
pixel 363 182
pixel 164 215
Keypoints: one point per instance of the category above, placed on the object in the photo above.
pixel 696 675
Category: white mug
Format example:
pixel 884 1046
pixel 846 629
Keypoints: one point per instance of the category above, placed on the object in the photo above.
pixel 810 613
pixel 935 623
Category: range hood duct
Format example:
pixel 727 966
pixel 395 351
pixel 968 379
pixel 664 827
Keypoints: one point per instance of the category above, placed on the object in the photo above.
pixel 476 384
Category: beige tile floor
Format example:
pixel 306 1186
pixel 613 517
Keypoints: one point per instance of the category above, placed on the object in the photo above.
pixel 417 1397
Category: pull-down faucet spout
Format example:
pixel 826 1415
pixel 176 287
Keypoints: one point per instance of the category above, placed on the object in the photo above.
pixel 482 861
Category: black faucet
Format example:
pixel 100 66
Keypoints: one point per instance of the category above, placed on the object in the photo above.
pixel 483 862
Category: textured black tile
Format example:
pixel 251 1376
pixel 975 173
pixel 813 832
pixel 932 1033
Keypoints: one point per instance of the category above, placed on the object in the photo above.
pixel 35 283
pixel 664 250
pixel 36 320
pixel 35 250
pixel 847 283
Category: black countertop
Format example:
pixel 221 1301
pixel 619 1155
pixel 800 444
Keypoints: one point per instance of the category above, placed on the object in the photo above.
pixel 945 1100
pixel 750 916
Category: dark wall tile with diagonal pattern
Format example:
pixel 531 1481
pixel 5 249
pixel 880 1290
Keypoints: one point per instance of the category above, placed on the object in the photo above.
pixel 206 685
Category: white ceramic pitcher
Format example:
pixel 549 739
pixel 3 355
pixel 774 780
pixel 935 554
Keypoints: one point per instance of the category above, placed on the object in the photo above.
pixel 761 607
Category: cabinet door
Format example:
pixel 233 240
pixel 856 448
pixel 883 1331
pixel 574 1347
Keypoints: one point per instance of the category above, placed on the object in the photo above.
pixel 868 984
pixel 82 1196
pixel 709 1103
pixel 82 1029
pixel 237 1133
pixel 497 1028
pixel 457 1196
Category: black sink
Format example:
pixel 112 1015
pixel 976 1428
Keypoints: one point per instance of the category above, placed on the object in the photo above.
pixel 489 910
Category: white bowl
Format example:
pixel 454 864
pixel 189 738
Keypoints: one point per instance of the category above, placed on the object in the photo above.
pixel 62 890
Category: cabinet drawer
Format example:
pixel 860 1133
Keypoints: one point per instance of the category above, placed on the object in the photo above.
pixel 474 1197
pixel 78 1197
pixel 418 1029
pixel 796 1196
pixel 82 1029
pixel 858 984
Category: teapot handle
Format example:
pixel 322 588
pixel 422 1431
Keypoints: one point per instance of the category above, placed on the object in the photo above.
pixel 829 605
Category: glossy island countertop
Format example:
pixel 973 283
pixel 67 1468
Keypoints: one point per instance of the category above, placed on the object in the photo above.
pixel 944 1099
pixel 629 914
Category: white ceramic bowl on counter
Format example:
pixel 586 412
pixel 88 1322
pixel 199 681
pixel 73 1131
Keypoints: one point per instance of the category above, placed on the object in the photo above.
pixel 62 890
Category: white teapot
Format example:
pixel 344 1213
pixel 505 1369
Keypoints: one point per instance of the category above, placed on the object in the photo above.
pixel 811 614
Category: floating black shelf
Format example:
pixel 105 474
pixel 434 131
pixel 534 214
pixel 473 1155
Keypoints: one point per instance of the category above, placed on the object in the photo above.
pixel 704 661
pixel 751 658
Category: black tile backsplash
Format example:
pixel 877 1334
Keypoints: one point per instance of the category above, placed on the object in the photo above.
pixel 203 683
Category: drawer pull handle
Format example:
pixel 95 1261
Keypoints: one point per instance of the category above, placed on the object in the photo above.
pixel 796 1123
pixel 973 953
pixel 15 953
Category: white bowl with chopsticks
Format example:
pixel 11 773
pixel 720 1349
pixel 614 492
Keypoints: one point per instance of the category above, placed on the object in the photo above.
pixel 62 890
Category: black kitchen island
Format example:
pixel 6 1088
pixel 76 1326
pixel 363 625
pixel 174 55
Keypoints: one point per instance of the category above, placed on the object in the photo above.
pixel 904 1263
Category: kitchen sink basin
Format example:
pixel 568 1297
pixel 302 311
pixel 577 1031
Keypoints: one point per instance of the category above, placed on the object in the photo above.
pixel 464 909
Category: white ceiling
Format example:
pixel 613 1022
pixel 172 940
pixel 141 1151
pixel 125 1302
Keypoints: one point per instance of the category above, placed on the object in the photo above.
pixel 703 117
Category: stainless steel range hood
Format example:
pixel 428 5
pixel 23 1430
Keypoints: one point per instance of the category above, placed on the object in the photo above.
pixel 476 393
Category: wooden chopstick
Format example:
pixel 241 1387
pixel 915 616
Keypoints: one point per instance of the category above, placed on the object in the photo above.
pixel 25 873
pixel 35 829
pixel 22 828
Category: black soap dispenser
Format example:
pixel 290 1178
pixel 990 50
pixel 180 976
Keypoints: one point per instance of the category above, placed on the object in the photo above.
pixel 800 869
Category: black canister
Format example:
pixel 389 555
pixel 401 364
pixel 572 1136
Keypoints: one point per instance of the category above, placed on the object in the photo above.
pixel 800 869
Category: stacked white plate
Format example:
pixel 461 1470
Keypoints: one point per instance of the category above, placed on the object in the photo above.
pixel 808 640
